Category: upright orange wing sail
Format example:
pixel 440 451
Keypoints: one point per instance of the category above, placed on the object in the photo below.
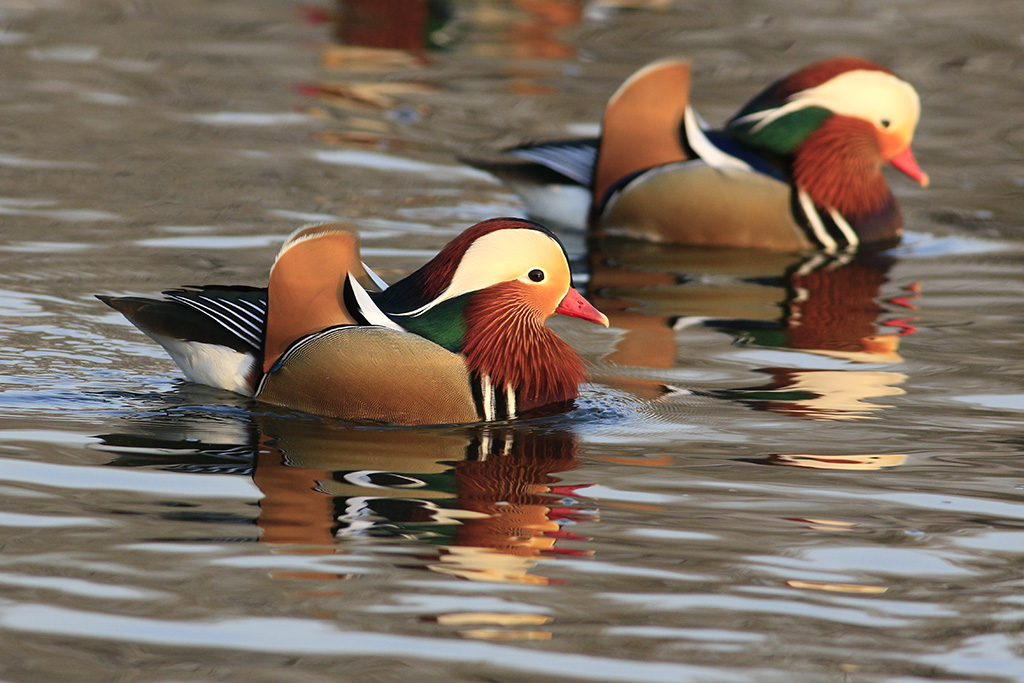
pixel 641 123
pixel 307 285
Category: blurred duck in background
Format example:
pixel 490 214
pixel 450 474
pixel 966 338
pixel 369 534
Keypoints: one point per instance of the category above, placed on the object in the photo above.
pixel 798 168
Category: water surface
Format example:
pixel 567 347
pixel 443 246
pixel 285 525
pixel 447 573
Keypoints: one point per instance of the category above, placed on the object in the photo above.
pixel 787 468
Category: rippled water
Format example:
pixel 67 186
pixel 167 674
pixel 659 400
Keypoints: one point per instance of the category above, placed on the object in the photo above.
pixel 786 469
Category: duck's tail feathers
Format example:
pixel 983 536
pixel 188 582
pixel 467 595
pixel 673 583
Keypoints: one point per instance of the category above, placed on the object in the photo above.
pixel 205 349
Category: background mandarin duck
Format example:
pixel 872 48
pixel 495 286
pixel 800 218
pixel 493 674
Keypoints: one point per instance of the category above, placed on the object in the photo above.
pixel 460 340
pixel 799 167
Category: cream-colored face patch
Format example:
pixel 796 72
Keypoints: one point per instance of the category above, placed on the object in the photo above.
pixel 885 101
pixel 506 255
pixel 891 104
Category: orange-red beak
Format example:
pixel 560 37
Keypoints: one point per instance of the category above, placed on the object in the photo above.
pixel 574 305
pixel 906 162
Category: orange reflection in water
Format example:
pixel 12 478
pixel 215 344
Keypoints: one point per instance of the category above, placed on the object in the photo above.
pixel 482 503
pixel 844 461
pixel 536 36
pixel 528 29
pixel 390 24
pixel 820 394
pixel 485 501
pixel 822 305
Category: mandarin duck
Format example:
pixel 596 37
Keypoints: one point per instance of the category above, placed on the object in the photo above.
pixel 799 167
pixel 460 340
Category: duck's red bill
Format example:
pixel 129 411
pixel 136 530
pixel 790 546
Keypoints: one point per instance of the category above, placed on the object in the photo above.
pixel 574 305
pixel 906 162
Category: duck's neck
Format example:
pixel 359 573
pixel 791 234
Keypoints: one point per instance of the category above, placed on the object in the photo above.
pixel 840 167
pixel 507 343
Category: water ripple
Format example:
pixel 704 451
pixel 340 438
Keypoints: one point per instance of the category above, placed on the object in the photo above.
pixel 293 636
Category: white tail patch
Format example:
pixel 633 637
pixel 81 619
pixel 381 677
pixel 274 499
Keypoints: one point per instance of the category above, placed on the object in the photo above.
pixel 211 364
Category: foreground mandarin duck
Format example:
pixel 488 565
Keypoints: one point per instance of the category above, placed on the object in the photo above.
pixel 799 167
pixel 460 340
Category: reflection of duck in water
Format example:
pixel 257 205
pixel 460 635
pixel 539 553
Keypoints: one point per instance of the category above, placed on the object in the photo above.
pixel 829 307
pixel 829 304
pixel 484 500
pixel 409 25
pixel 819 394
pixel 798 167
pixel 530 28
pixel 846 461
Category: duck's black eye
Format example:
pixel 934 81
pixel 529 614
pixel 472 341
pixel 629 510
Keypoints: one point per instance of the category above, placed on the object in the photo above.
pixel 537 275
pixel 885 123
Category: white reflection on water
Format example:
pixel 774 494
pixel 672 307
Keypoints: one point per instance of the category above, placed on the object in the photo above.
pixel 989 654
pixel 85 477
pixel 309 637
pixel 998 401
pixel 66 53
pixel 19 208
pixel 213 242
pixel 15 519
pixel 748 605
pixel 386 162
pixel 246 118
pixel 831 563
pixel 44 247
pixel 14 161
pixel 304 216
pixel 308 563
pixel 79 587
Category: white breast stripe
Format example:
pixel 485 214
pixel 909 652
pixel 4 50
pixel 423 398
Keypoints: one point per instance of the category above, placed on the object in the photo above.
pixel 848 232
pixel 487 390
pixel 510 399
pixel 368 309
pixel 814 220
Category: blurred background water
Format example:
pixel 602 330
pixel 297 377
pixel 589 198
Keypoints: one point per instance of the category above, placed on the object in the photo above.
pixel 785 469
